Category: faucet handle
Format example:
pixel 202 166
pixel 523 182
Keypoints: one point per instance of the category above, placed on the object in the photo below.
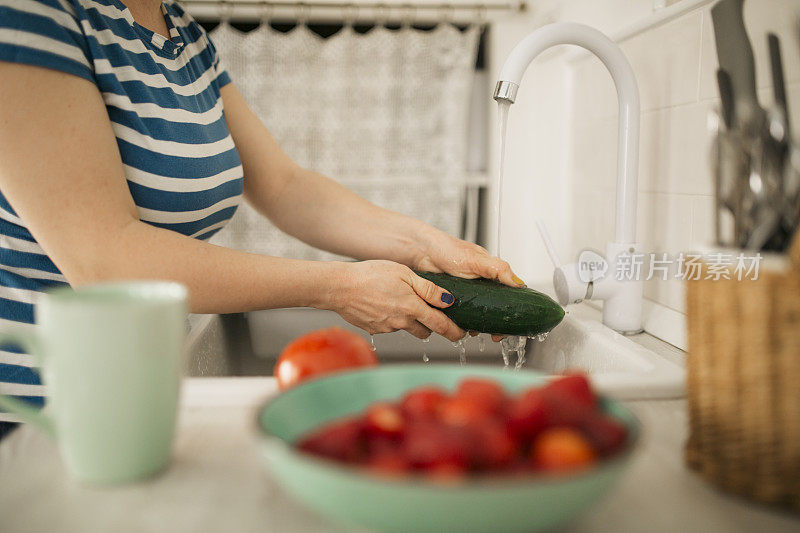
pixel 569 286
pixel 548 244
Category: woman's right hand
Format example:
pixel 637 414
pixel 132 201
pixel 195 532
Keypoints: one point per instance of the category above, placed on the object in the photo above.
pixel 384 296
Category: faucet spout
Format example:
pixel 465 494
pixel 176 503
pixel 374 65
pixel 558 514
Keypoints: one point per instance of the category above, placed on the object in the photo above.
pixel 627 93
pixel 622 307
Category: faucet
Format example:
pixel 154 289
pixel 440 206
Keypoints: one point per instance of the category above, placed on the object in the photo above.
pixel 573 283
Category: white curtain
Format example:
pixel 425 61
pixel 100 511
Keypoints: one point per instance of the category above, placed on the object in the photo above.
pixel 384 113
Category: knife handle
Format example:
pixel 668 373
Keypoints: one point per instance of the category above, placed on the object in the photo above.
pixel 726 97
pixel 778 83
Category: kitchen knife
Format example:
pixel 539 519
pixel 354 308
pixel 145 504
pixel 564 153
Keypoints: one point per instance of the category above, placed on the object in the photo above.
pixel 735 55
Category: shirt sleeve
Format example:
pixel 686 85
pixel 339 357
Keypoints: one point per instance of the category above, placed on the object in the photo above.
pixel 221 74
pixel 44 33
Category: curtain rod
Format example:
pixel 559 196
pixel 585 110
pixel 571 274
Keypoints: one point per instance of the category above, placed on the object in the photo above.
pixel 520 5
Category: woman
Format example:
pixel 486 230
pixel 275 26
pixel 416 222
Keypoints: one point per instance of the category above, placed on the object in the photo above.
pixel 124 147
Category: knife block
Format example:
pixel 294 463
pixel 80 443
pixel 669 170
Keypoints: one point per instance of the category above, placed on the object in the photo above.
pixel 743 388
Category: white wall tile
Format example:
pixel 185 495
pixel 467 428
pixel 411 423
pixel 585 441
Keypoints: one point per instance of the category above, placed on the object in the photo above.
pixel 688 150
pixel 666 62
pixel 664 222
pixel 670 293
pixel 702 222
pixel 654 155
pixel 674 160
pixel 594 154
pixel 595 96
pixel 665 227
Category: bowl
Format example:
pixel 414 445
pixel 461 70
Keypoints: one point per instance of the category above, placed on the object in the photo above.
pixel 356 498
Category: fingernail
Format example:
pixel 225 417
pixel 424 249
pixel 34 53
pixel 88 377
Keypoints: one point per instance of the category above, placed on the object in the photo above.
pixel 517 280
pixel 447 298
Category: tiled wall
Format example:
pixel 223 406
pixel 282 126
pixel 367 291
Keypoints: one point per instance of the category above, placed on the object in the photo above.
pixel 675 64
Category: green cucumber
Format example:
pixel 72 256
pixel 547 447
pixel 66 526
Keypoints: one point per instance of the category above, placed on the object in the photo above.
pixel 488 306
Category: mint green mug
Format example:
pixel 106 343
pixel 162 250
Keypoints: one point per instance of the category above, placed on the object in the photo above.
pixel 110 356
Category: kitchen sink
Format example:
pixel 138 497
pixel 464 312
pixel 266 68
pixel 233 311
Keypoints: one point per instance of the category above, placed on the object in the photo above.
pixel 626 367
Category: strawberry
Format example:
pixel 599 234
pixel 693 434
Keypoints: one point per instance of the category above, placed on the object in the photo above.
pixel 423 402
pixel 574 386
pixel 484 391
pixel 342 440
pixel 384 419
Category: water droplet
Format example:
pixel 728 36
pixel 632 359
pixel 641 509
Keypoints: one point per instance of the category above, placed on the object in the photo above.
pixel 426 340
pixel 481 343
pixel 519 349
pixel 505 350
pixel 372 342
pixel 425 358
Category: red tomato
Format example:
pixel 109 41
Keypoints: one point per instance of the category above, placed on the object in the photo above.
pixel 423 402
pixel 606 434
pixel 575 386
pixel 558 449
pixel 384 419
pixel 485 391
pixel 322 352
pixel 341 440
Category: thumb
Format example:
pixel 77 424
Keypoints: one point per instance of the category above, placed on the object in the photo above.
pixel 431 293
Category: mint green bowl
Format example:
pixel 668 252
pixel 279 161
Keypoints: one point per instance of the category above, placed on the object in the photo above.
pixel 355 498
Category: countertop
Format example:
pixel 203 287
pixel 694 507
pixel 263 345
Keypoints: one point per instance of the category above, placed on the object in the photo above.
pixel 216 481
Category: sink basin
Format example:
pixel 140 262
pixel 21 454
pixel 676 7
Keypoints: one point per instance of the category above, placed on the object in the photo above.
pixel 637 367
pixel 621 366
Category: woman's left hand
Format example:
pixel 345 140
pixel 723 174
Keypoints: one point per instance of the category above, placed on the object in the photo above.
pixel 439 252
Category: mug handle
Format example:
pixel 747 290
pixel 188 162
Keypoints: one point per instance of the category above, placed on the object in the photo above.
pixel 29 340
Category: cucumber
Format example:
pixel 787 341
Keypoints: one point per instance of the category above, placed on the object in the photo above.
pixel 488 306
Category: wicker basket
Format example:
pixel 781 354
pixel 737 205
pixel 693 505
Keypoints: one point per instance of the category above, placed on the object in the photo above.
pixel 744 382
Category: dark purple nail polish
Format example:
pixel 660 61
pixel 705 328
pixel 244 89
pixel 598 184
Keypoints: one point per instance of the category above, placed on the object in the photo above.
pixel 447 298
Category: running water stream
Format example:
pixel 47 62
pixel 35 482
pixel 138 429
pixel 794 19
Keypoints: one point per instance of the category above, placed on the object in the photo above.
pixel 502 111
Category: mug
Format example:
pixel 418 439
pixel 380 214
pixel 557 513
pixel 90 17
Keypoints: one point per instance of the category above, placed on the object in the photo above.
pixel 110 356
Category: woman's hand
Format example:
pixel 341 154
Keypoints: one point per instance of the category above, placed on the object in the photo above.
pixel 383 296
pixel 439 252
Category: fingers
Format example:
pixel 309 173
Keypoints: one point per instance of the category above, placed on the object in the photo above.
pixel 495 268
pixel 473 333
pixel 418 330
pixel 430 292
pixel 498 338
pixel 437 322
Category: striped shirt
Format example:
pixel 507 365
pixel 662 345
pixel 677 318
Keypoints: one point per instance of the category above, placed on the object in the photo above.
pixel 163 101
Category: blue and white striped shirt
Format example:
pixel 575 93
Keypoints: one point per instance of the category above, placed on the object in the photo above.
pixel 163 100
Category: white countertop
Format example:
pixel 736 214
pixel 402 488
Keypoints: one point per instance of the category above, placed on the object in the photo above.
pixel 216 481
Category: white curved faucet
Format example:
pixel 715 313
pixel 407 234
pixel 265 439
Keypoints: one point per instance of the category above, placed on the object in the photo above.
pixel 622 308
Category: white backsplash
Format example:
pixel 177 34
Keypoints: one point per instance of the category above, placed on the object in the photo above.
pixel 675 64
